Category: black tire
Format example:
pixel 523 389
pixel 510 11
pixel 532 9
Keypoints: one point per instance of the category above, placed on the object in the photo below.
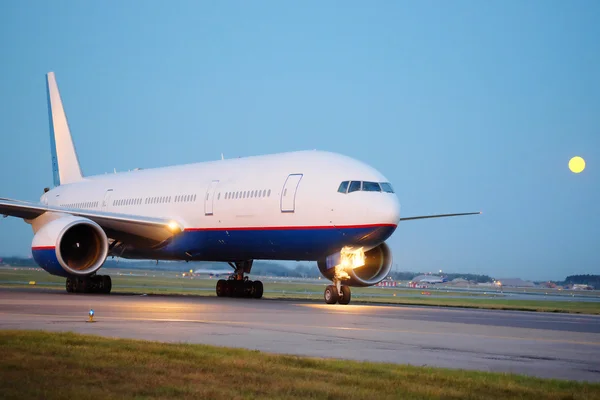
pixel 97 284
pixel 106 284
pixel 331 295
pixel 346 295
pixel 238 288
pixel 228 289
pixel 69 285
pixel 221 283
pixel 257 289
pixel 248 289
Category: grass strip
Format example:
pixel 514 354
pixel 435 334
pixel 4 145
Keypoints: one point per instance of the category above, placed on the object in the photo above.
pixel 36 364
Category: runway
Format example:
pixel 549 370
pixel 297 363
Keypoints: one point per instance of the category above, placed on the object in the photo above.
pixel 564 346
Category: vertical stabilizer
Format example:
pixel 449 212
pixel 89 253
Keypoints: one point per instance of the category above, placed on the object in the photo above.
pixel 65 165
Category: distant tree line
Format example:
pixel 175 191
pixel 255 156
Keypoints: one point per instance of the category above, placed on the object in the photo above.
pixel 18 261
pixel 403 275
pixel 275 269
pixel 109 263
pixel 258 268
pixel 471 277
pixel 590 280
pixel 298 271
pixel 407 276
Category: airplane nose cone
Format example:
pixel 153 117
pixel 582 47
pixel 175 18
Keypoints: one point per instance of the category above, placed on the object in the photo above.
pixel 389 210
pixel 388 217
pixel 393 210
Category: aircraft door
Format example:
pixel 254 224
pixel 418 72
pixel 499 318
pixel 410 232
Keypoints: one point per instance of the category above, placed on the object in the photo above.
pixel 288 194
pixel 106 200
pixel 209 198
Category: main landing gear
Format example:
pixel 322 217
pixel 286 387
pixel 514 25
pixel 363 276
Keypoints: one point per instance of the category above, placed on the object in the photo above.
pixel 89 284
pixel 239 285
pixel 337 293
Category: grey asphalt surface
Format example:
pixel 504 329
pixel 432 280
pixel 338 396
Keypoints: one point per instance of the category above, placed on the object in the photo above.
pixel 565 346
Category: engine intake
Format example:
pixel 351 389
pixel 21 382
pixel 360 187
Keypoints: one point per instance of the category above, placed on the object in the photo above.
pixel 377 265
pixel 70 246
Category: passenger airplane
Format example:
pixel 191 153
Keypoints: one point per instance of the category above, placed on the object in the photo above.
pixel 308 205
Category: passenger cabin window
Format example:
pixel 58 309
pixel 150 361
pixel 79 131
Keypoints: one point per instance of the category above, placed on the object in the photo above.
pixel 343 187
pixel 242 194
pixel 354 186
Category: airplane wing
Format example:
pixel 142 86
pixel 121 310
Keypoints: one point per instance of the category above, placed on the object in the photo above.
pixel 439 216
pixel 117 226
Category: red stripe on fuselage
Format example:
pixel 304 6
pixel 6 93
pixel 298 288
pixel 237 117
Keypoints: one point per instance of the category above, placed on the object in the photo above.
pixel 43 248
pixel 292 228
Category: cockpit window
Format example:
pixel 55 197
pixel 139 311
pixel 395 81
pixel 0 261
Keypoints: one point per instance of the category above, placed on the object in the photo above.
pixel 387 187
pixel 371 187
pixel 354 186
pixel 343 187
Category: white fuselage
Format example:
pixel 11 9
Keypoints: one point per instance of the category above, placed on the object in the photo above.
pixel 254 207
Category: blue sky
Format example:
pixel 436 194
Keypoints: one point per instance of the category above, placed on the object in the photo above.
pixel 463 105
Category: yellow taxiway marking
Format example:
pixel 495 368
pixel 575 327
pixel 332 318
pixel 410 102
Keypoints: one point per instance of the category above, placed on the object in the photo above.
pixel 338 328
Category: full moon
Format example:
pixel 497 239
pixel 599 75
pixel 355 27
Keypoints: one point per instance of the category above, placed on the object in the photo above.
pixel 576 164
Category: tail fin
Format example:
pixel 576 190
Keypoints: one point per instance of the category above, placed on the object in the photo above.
pixel 65 164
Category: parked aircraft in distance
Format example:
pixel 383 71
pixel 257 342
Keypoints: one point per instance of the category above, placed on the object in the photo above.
pixel 308 205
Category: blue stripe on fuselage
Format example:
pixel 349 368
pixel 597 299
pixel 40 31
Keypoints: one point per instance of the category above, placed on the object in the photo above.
pixel 236 244
pixel 288 243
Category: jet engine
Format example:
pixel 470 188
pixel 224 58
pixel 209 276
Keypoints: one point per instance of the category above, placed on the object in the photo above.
pixel 70 246
pixel 373 267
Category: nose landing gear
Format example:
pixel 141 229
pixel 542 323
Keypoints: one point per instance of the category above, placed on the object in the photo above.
pixel 239 285
pixel 337 293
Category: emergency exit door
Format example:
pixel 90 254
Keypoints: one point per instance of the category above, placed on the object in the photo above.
pixel 288 194
pixel 210 198
pixel 106 199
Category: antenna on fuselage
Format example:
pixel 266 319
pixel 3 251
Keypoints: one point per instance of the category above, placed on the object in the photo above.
pixel 222 157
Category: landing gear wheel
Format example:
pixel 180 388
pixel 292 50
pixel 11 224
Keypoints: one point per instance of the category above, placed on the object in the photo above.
pixel 221 287
pixel 237 288
pixel 331 294
pixel 346 295
pixel 106 284
pixel 248 288
pixel 83 286
pixel 75 285
pixel 89 284
pixel 257 289
pixel 228 289
pixel 238 284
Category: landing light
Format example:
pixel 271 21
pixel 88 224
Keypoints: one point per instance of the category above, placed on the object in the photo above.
pixel 349 259
pixel 353 258
pixel 174 226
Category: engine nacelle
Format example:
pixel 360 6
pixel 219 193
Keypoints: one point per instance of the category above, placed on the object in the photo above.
pixel 70 246
pixel 377 265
